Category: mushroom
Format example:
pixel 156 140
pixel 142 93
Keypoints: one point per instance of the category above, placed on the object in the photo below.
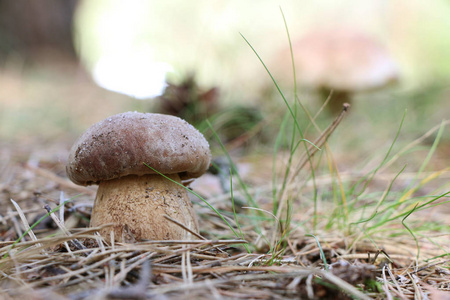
pixel 343 60
pixel 115 154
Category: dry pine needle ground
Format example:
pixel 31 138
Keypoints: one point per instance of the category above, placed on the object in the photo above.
pixel 61 258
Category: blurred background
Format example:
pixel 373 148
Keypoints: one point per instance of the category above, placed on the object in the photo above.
pixel 65 65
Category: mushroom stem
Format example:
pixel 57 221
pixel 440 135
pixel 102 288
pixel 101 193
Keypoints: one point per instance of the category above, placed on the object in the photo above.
pixel 136 205
pixel 338 98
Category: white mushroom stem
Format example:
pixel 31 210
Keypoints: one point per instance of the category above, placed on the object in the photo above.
pixel 136 205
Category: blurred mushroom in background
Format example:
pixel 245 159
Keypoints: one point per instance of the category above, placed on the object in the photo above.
pixel 342 60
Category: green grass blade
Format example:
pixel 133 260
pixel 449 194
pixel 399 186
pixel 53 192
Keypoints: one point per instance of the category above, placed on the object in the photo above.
pixel 200 197
pixel 369 177
pixel 384 196
pixel 420 207
pixel 276 148
pixel 250 200
pixel 275 83
pixel 410 231
pixel 234 212
pixel 410 189
pixel 35 224
pixel 322 254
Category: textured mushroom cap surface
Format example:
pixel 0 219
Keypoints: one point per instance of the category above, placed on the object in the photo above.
pixel 120 145
pixel 343 59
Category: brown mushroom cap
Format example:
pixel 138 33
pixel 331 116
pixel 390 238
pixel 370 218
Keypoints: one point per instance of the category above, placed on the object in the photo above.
pixel 343 59
pixel 120 145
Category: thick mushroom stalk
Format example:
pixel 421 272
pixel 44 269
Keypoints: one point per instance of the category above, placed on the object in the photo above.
pixel 136 205
pixel 122 154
